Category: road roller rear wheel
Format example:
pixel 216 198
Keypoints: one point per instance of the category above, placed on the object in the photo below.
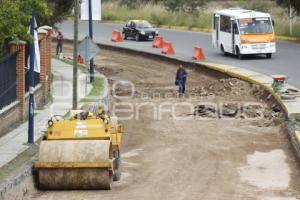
pixel 66 178
pixel 75 179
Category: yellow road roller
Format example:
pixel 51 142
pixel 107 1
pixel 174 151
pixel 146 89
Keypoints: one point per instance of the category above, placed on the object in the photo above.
pixel 82 152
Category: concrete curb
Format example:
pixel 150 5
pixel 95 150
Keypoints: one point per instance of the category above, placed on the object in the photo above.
pixel 288 38
pixel 254 78
pixel 20 184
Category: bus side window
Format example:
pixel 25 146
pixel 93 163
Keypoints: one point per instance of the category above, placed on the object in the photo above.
pixel 235 29
pixel 215 22
pixel 225 24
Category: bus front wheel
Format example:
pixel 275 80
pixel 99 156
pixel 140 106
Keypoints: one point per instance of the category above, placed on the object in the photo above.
pixel 239 55
pixel 269 55
pixel 223 51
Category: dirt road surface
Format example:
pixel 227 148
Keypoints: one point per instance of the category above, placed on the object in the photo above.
pixel 195 159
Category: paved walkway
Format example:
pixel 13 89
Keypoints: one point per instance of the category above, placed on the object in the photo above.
pixel 15 142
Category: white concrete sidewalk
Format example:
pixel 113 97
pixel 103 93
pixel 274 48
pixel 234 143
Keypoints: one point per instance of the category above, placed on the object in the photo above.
pixel 15 142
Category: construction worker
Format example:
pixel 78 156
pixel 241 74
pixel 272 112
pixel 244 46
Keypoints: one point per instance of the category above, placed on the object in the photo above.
pixel 60 41
pixel 180 81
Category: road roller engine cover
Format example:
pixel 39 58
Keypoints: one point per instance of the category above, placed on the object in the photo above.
pixel 82 152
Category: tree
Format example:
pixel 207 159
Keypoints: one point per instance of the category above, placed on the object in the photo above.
pixel 15 16
pixel 293 10
pixel 294 3
pixel 60 9
pixel 184 5
pixel 257 5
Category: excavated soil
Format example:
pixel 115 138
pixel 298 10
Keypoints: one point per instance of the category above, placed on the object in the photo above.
pixel 225 140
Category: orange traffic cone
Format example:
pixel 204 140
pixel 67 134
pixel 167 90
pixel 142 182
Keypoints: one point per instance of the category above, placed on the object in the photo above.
pixel 168 48
pixel 80 59
pixel 198 54
pixel 158 42
pixel 117 37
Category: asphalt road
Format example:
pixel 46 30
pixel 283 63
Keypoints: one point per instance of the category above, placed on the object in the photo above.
pixel 285 61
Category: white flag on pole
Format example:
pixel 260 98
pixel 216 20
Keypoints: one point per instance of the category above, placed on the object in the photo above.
pixel 37 58
pixel 96 10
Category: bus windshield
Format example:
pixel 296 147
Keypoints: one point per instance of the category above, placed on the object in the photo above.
pixel 255 25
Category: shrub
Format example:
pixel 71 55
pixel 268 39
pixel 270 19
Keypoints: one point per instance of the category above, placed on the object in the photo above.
pixel 258 5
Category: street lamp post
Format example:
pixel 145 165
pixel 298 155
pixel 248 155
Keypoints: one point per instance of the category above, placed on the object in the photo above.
pixel 75 53
pixel 91 36
pixel 31 82
pixel 290 18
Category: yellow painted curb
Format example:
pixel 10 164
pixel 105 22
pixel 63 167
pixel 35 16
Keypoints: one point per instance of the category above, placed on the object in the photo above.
pixel 287 38
pixel 297 134
pixel 112 22
pixel 186 28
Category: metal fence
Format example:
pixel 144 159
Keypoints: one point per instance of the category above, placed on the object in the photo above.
pixel 8 76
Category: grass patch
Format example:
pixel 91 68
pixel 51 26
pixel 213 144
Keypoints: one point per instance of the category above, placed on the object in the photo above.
pixel 49 98
pixel 156 14
pixel 67 115
pixel 97 90
pixel 81 67
pixel 159 16
pixel 97 85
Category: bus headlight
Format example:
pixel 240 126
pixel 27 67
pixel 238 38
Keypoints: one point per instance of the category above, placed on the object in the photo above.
pixel 244 41
pixel 272 39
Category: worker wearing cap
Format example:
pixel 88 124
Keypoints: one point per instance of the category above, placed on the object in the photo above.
pixel 60 41
pixel 180 81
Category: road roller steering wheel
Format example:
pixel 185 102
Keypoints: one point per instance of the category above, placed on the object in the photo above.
pixel 55 118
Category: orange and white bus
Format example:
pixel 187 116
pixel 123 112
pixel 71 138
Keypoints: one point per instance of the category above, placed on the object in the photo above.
pixel 243 32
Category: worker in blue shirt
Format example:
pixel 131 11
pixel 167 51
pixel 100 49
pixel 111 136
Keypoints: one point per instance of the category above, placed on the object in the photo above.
pixel 180 81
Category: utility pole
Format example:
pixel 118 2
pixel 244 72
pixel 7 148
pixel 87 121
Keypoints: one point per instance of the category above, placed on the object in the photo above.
pixel 291 18
pixel 75 53
pixel 31 83
pixel 91 36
